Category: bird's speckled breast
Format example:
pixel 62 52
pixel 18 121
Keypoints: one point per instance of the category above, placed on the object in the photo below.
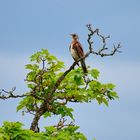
pixel 73 52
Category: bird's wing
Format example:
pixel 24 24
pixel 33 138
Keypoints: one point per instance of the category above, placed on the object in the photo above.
pixel 78 48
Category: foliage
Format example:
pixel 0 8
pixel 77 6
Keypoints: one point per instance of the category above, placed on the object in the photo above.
pixel 50 90
pixel 14 131
pixel 52 87
pixel 76 87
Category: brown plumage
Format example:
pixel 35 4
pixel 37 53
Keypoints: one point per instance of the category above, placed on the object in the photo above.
pixel 77 52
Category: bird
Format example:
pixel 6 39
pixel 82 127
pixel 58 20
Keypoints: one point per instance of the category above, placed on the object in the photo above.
pixel 77 51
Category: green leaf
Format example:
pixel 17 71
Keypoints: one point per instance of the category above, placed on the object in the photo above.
pixel 27 101
pixel 105 101
pixel 111 86
pixel 31 86
pixel 78 79
pixel 45 51
pixel 50 129
pixel 31 66
pixel 36 57
pixel 114 94
pixel 31 76
pixel 21 105
pixel 47 114
pixel 64 111
pixel 99 100
pixel 52 57
pixel 94 73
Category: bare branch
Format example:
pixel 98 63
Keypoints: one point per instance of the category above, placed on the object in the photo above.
pixel 91 33
pixel 100 52
pixel 29 111
pixel 61 124
pixel 9 94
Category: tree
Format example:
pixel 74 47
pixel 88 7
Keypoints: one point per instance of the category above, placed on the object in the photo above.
pixel 51 88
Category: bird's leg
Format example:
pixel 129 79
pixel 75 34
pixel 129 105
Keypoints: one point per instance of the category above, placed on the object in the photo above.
pixel 76 62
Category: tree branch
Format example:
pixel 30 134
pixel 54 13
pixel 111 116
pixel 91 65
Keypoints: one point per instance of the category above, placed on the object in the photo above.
pixel 100 52
pixel 61 78
pixel 61 124
pixel 9 94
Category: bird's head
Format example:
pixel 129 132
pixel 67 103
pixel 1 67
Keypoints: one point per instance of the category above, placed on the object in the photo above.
pixel 74 36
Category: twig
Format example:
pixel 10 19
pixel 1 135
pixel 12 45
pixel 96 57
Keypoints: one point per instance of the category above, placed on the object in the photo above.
pixel 9 94
pixel 61 124
pixel 103 39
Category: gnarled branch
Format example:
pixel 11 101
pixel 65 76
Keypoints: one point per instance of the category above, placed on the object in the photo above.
pixel 61 124
pixel 100 52
pixel 9 94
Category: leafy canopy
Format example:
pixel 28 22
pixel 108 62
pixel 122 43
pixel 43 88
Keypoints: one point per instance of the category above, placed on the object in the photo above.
pixel 46 98
pixel 14 131
pixel 45 69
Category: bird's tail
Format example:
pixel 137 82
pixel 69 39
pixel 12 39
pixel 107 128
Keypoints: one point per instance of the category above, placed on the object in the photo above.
pixel 84 66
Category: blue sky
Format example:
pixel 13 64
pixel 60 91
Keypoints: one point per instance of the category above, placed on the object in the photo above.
pixel 30 25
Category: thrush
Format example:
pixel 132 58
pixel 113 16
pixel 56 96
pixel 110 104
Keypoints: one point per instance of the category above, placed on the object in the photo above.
pixel 77 51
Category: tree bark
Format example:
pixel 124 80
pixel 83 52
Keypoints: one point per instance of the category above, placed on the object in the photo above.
pixel 34 124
